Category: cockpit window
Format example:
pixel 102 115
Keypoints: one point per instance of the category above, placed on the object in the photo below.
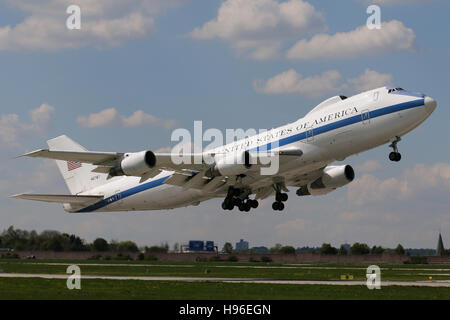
pixel 343 97
pixel 395 89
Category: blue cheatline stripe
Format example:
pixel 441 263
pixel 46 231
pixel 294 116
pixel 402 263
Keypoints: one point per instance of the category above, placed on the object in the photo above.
pixel 339 124
pixel 124 194
pixel 267 147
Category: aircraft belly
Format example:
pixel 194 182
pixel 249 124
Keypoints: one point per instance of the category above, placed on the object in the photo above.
pixel 161 197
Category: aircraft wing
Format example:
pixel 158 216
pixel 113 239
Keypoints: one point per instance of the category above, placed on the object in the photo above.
pixel 60 198
pixel 105 161
pixel 193 165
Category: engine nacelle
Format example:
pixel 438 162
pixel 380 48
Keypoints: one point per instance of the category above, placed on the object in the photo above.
pixel 135 164
pixel 333 177
pixel 232 164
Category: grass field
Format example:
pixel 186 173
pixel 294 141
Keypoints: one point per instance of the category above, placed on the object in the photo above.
pixel 37 288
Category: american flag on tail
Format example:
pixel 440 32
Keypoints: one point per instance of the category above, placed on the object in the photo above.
pixel 72 165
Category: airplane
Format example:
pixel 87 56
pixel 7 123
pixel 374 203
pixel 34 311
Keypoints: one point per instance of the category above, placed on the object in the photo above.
pixel 305 150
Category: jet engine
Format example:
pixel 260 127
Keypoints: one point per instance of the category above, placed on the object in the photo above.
pixel 231 164
pixel 135 164
pixel 333 177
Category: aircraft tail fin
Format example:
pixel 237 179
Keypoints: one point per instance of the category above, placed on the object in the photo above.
pixel 78 176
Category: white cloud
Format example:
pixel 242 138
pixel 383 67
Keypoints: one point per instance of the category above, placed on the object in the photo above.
pixel 331 81
pixel 140 118
pixel 258 27
pixel 292 82
pixel 393 36
pixel 394 2
pixel 370 79
pixel 103 22
pixel 110 117
pixel 368 166
pixel 12 128
pixel 43 114
pixel 100 119
pixel 419 181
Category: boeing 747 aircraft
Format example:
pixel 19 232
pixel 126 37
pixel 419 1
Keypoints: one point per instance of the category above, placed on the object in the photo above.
pixel 335 129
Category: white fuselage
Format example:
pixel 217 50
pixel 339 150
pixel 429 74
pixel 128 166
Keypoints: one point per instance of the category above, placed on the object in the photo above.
pixel 332 131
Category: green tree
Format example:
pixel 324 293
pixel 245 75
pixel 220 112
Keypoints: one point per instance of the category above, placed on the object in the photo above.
pixel 377 250
pixel 328 249
pixel 227 247
pixel 127 246
pixel 54 243
pixel 342 250
pixel 287 250
pixel 276 248
pixel 359 248
pixel 100 244
pixel 400 250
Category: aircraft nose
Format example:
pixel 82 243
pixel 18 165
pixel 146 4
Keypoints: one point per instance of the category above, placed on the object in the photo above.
pixel 430 104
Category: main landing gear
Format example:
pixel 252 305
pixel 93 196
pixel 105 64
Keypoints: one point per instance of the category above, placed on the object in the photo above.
pixel 280 197
pixel 395 155
pixel 237 198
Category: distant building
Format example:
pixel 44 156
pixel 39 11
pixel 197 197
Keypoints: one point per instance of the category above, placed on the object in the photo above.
pixel 440 247
pixel 198 246
pixel 242 245
pixel 260 250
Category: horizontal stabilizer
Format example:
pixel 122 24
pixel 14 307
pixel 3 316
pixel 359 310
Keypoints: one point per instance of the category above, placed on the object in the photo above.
pixel 84 157
pixel 60 198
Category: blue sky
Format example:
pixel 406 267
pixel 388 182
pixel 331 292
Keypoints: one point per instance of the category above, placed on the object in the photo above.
pixel 156 62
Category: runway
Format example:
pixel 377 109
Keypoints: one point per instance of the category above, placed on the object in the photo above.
pixel 437 283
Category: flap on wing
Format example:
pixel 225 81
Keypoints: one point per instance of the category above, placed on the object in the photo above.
pixel 178 179
pixel 77 156
pixel 195 181
pixel 60 198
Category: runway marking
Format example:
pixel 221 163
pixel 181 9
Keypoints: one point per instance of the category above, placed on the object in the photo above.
pixel 437 283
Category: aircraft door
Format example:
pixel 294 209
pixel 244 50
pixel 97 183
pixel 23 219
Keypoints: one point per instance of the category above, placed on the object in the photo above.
pixel 118 197
pixel 365 116
pixel 310 134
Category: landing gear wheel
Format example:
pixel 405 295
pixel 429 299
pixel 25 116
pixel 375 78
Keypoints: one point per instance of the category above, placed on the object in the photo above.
pixel 228 204
pixel 254 204
pixel 276 205
pixel 395 156
pixel 281 197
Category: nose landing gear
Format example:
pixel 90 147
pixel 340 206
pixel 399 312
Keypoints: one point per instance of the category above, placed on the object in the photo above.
pixel 395 155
